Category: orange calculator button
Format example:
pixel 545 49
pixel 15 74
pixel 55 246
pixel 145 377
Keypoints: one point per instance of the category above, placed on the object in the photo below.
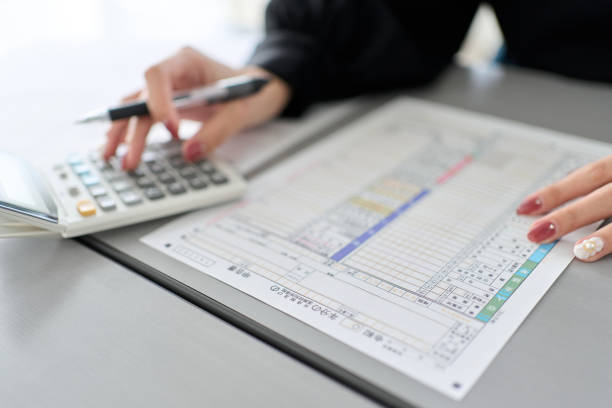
pixel 86 208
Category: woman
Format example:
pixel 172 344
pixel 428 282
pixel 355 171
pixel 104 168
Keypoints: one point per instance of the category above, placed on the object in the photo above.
pixel 324 49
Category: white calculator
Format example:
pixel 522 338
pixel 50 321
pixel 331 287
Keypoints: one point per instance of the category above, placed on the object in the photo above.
pixel 86 194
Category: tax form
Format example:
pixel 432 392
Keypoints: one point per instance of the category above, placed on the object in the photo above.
pixel 397 235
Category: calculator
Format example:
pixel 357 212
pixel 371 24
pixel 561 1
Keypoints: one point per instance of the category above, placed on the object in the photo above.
pixel 86 194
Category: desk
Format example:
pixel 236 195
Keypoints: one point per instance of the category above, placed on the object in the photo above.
pixel 557 356
pixel 79 330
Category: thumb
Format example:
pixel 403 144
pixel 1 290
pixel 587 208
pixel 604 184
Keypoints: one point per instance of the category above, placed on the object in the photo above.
pixel 227 120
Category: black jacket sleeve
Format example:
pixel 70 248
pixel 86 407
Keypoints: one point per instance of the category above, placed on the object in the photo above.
pixel 327 49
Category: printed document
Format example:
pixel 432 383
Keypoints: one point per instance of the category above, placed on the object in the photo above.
pixel 398 236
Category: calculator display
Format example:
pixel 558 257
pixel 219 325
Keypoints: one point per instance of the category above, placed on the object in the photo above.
pixel 22 191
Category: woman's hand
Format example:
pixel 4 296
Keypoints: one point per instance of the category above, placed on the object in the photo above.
pixel 593 184
pixel 185 70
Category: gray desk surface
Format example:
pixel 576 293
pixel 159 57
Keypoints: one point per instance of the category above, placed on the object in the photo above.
pixel 78 330
pixel 557 357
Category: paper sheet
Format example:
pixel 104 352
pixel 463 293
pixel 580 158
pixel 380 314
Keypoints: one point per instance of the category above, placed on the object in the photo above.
pixel 398 236
pixel 251 149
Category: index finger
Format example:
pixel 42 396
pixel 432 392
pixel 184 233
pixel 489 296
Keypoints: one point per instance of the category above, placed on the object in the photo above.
pixel 116 133
pixel 578 183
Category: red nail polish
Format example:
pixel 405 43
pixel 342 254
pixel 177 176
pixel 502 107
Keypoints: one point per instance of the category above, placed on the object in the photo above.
pixel 193 151
pixel 530 205
pixel 172 128
pixel 542 231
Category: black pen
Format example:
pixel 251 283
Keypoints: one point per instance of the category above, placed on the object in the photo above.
pixel 220 91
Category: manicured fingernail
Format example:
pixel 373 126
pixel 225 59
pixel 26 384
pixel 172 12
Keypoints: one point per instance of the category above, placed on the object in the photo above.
pixel 588 248
pixel 194 151
pixel 542 231
pixel 530 205
pixel 172 128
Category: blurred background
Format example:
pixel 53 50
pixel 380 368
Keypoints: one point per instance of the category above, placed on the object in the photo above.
pixel 59 59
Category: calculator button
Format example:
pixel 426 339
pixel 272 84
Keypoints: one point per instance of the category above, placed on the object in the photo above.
pixel 145 182
pixel 112 175
pixel 139 172
pixel 148 157
pixel 86 208
pixel 153 193
pixel 218 178
pixel 198 183
pixel 103 166
pixel 81 169
pixel 207 167
pixel 155 167
pixel 97 190
pixel 90 179
pixel 166 178
pixel 121 185
pixel 73 191
pixel 106 203
pixel 188 172
pixel 177 162
pixel 176 188
pixel 129 197
pixel 74 159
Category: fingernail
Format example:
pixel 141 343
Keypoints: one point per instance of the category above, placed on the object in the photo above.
pixel 588 248
pixel 172 128
pixel 194 151
pixel 530 205
pixel 124 162
pixel 542 231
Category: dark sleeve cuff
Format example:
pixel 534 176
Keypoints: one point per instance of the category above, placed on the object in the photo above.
pixel 293 57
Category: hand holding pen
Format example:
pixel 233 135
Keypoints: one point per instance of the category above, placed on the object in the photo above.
pixel 222 114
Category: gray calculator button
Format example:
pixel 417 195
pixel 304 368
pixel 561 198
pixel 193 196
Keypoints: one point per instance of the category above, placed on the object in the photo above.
pixel 198 183
pixel 166 178
pixel 177 162
pixel 121 185
pixel 188 172
pixel 154 193
pixel 129 197
pixel 155 167
pixel 207 167
pixel 112 175
pixel 97 190
pixel 145 182
pixel 136 173
pixel 218 178
pixel 90 179
pixel 74 191
pixel 106 203
pixel 176 188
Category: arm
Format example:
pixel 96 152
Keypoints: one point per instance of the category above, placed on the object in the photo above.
pixel 327 49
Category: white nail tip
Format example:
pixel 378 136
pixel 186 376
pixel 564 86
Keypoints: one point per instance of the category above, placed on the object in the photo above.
pixel 588 248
